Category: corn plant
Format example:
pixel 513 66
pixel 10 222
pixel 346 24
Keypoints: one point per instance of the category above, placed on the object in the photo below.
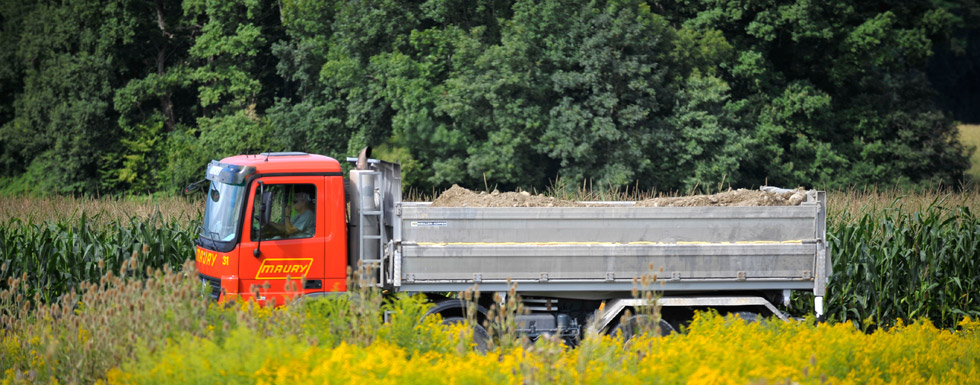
pixel 58 256
pixel 894 263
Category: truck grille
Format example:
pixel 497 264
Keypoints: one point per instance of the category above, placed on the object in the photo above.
pixel 214 283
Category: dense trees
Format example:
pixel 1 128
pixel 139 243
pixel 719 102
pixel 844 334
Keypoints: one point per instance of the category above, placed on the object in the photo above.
pixel 137 95
pixel 838 92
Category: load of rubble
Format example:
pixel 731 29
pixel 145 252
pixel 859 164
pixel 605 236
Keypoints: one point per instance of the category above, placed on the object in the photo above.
pixel 458 196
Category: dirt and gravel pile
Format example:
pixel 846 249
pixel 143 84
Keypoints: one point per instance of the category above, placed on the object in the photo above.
pixel 461 197
pixel 740 197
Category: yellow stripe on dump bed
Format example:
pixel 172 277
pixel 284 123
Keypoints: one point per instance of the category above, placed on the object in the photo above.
pixel 793 242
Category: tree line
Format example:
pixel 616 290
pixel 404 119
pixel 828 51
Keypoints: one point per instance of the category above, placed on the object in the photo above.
pixel 135 96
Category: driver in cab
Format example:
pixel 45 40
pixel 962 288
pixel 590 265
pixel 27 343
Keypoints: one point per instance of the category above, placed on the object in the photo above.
pixel 303 222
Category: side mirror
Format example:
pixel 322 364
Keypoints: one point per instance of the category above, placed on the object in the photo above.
pixel 265 208
pixel 193 187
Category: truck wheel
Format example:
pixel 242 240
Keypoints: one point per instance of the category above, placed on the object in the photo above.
pixel 641 322
pixel 480 335
pixel 747 316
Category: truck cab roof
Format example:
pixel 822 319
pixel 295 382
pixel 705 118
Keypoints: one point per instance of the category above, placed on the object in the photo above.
pixel 285 162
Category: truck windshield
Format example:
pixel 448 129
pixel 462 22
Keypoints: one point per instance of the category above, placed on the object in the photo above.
pixel 222 214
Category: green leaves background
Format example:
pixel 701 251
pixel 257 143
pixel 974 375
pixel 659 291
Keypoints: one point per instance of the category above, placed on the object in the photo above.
pixel 124 96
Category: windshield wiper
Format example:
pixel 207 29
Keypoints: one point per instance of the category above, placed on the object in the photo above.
pixel 209 237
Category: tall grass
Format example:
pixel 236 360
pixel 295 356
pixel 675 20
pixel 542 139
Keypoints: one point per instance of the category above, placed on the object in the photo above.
pixel 89 331
pixel 716 350
pixel 851 204
pixel 81 335
pixel 162 331
pixel 101 210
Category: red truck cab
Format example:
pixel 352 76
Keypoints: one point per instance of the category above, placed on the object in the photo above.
pixel 302 240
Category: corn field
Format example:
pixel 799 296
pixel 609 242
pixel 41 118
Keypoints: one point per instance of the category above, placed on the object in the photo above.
pixel 895 255
pixel 59 249
pixel 893 263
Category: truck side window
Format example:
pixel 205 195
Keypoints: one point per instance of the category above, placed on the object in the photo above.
pixel 293 212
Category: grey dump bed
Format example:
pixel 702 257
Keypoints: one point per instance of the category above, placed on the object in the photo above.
pixel 589 249
pixel 578 251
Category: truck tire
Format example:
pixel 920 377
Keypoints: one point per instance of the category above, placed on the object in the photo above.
pixel 481 338
pixel 636 324
pixel 747 316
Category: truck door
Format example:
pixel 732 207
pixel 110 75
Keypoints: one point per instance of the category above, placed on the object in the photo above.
pixel 291 244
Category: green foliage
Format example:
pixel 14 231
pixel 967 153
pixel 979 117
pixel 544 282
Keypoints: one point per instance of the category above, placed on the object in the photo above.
pixel 790 149
pixel 184 157
pixel 969 135
pixel 71 57
pixel 228 45
pixel 609 91
pixel 130 96
pixel 411 168
pixel 143 148
pixel 11 69
pixel 35 180
pixel 831 93
pixel 238 133
pixel 512 103
pixel 711 147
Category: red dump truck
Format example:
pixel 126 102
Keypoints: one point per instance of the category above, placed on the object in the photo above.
pixel 275 216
